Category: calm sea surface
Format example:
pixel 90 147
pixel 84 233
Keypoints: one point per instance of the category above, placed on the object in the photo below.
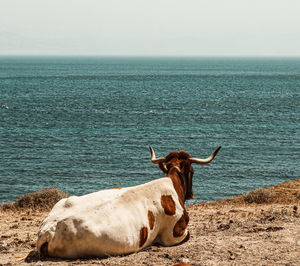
pixel 82 124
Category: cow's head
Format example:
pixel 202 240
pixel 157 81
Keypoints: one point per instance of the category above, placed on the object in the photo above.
pixel 180 164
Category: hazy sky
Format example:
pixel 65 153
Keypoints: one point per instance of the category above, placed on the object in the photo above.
pixel 150 27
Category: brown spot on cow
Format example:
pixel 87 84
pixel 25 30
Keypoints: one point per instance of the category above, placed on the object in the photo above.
pixel 168 204
pixel 181 225
pixel 143 236
pixel 151 219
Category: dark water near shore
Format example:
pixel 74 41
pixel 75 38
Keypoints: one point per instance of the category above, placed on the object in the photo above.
pixel 85 124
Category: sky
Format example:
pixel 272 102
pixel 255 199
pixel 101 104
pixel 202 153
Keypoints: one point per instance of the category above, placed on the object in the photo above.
pixel 150 27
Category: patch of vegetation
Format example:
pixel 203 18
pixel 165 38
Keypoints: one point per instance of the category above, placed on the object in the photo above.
pixel 285 193
pixel 260 196
pixel 40 200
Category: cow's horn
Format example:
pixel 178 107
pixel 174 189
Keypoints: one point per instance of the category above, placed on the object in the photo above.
pixel 207 160
pixel 154 159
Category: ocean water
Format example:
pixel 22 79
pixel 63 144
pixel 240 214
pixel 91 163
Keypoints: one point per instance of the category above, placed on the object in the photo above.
pixel 82 124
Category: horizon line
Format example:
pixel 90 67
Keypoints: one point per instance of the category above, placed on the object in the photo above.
pixel 150 55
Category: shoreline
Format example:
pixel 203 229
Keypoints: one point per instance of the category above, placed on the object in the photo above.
pixel 260 227
pixel 47 197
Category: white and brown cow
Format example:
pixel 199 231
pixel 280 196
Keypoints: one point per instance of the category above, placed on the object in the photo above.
pixel 126 220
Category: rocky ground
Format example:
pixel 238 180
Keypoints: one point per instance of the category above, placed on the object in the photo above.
pixel 258 228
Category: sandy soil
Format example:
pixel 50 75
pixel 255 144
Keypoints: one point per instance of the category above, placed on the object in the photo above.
pixel 259 228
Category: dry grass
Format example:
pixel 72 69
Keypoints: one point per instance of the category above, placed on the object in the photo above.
pixel 260 196
pixel 285 193
pixel 42 200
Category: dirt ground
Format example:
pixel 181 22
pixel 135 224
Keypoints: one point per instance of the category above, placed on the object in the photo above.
pixel 258 228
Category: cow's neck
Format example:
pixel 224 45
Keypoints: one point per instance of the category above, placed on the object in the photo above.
pixel 178 183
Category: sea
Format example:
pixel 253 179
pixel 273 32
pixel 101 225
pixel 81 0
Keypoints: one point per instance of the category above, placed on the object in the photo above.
pixel 83 124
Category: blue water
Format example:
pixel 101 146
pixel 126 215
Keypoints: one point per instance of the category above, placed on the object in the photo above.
pixel 82 124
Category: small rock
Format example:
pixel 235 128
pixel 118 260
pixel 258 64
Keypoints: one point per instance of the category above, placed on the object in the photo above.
pixel 295 208
pixel 15 226
pixel 3 247
pixel 185 260
pixel 224 226
pixel 166 255
pixel 231 255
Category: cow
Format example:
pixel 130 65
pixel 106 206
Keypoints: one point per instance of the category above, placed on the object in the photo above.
pixel 125 220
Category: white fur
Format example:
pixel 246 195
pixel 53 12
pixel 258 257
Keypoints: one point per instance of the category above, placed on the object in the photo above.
pixel 108 222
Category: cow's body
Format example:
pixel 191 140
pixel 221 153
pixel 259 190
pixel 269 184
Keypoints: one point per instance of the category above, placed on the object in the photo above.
pixel 110 221
pixel 122 221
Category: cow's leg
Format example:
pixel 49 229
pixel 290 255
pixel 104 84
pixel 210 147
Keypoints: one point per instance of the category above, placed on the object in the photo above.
pixel 178 233
pixel 167 239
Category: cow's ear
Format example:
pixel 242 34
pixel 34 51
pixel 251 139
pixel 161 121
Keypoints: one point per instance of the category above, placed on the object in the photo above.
pixel 163 167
